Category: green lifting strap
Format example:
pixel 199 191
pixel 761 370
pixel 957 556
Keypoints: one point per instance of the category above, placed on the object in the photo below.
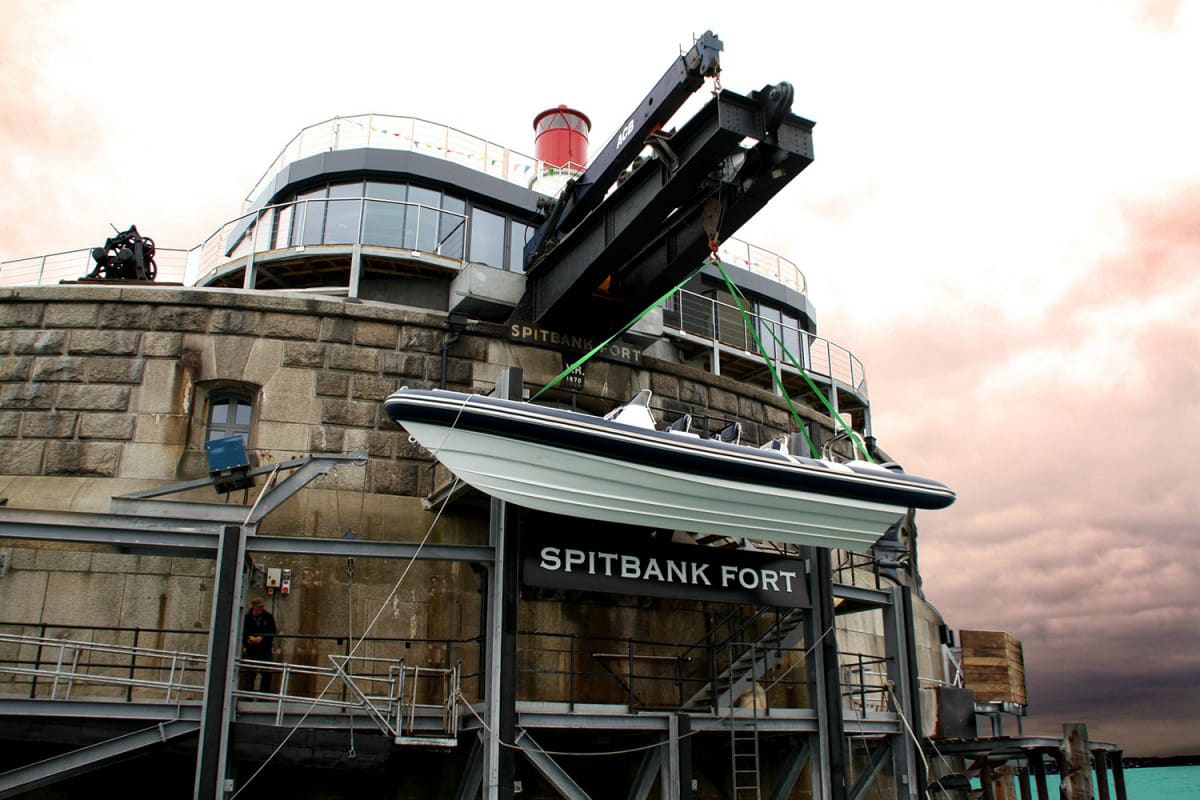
pixel 585 357
pixel 738 297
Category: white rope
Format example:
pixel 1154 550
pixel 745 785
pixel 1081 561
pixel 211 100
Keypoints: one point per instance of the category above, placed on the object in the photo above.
pixel 383 606
pixel 717 725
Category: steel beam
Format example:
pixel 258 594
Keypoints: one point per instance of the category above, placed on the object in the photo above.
pixel 358 456
pixel 563 783
pixel 797 757
pixel 657 199
pixel 878 756
pixel 858 598
pixel 680 81
pixel 272 498
pixel 99 709
pixel 85 759
pixel 472 774
pixel 198 539
pixel 358 548
pixel 648 770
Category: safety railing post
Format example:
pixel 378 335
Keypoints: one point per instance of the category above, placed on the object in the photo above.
pixel 573 668
pixel 629 649
pixel 132 665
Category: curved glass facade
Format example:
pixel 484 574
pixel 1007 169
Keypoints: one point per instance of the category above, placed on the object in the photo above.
pixel 401 215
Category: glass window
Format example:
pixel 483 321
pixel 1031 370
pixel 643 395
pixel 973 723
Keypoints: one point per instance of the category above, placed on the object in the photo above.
pixel 518 236
pixel 791 338
pixel 309 218
pixel 769 329
pixel 283 225
pixel 420 227
pixel 341 220
pixel 229 415
pixel 487 238
pixel 383 222
pixel 453 227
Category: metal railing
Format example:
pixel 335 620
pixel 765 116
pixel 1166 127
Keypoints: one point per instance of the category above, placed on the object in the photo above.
pixel 387 132
pixel 71 265
pixel 763 262
pixel 639 674
pixel 864 682
pixel 722 323
pixel 332 221
pixel 387 690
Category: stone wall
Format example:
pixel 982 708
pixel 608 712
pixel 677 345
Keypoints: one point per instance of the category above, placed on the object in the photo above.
pixel 104 389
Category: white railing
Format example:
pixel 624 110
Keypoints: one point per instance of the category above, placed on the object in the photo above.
pixel 386 132
pixel 763 262
pixel 71 265
pixel 393 694
pixel 721 323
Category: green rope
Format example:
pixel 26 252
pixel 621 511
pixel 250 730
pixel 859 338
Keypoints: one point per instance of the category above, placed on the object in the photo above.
pixel 770 367
pixel 737 299
pixel 555 381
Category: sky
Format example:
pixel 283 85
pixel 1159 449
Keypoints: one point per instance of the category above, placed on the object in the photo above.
pixel 1002 222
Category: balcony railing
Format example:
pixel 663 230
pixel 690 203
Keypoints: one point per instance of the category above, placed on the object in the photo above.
pixel 722 324
pixel 71 265
pixel 763 262
pixel 386 132
pixel 332 221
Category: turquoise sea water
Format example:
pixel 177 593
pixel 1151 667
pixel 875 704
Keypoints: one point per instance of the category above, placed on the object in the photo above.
pixel 1151 783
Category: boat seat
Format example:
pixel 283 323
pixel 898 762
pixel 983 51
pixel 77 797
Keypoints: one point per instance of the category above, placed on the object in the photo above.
pixel 636 412
pixel 681 425
pixel 779 445
pixel 731 433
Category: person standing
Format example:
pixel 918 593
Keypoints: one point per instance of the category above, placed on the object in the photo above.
pixel 258 636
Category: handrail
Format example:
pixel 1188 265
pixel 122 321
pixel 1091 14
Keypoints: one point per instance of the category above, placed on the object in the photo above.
pixel 273 228
pixel 721 323
pixel 389 132
pixel 67 265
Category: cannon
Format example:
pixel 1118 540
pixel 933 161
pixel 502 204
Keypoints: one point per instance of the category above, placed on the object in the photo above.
pixel 127 256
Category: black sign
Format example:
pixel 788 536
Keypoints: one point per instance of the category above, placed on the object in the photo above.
pixel 613 351
pixel 635 565
pixel 573 380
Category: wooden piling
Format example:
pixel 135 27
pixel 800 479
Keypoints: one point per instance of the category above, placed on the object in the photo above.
pixel 1077 762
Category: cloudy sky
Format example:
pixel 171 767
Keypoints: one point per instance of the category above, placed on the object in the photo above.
pixel 1003 223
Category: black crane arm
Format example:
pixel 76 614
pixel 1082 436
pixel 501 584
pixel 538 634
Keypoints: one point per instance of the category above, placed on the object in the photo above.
pixel 684 77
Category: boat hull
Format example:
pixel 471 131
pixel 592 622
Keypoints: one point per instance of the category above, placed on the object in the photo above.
pixel 581 466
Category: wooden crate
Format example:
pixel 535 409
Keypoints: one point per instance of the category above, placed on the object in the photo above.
pixel 993 666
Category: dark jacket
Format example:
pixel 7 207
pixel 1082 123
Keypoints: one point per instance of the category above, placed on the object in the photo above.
pixel 259 625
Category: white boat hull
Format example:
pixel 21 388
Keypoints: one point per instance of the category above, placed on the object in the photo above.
pixel 577 484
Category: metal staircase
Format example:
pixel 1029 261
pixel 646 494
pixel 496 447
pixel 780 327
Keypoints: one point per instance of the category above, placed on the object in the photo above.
pixel 748 661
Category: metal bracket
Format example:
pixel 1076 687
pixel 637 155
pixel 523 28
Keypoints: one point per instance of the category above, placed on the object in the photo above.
pixel 142 503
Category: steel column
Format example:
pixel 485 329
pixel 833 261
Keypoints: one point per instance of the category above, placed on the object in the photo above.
pixel 355 267
pixel 500 686
pixel 1118 771
pixel 218 709
pixel 669 776
pixel 1099 763
pixel 827 687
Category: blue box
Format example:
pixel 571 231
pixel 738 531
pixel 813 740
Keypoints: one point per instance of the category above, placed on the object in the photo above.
pixel 226 454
